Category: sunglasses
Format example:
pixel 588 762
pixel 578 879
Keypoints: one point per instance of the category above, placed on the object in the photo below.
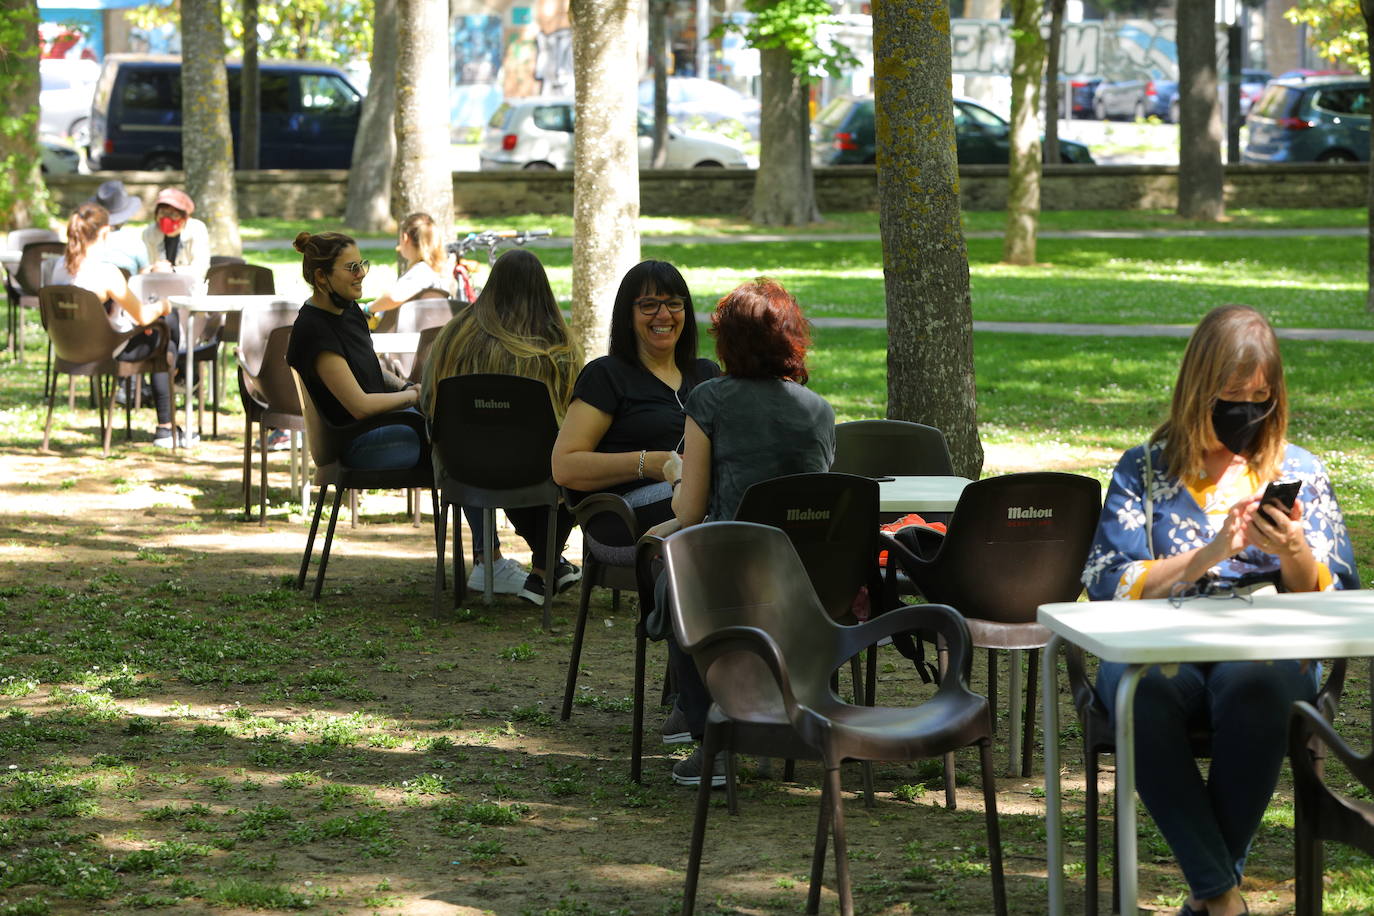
pixel 357 268
pixel 649 305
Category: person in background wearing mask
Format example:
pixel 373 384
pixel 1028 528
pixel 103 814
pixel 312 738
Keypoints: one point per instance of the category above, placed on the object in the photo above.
pixel 124 246
pixel 1183 517
pixel 175 242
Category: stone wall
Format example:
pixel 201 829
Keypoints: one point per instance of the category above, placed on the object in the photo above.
pixel 491 195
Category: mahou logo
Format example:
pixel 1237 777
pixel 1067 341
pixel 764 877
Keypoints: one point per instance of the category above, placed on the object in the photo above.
pixel 1028 512
pixel 488 404
pixel 807 515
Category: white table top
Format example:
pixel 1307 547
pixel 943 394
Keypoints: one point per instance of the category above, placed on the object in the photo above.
pixel 396 342
pixel 920 494
pixel 1336 624
pixel 226 303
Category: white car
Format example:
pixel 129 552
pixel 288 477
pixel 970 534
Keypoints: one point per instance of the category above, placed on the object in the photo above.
pixel 58 155
pixel 692 99
pixel 64 97
pixel 537 133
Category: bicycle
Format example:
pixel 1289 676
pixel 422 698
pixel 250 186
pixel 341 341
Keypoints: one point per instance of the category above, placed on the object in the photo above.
pixel 494 240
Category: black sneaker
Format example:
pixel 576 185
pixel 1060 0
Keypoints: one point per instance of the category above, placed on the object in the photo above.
pixel 533 590
pixel 565 575
pixel 687 772
pixel 675 730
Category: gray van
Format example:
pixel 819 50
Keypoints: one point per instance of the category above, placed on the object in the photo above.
pixel 309 114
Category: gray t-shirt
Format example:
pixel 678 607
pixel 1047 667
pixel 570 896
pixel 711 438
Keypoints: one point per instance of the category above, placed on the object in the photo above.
pixel 759 429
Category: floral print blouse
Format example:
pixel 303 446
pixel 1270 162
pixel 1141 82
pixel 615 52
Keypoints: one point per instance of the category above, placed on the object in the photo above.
pixel 1189 511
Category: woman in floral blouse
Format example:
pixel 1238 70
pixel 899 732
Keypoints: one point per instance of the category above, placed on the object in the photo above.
pixel 1183 513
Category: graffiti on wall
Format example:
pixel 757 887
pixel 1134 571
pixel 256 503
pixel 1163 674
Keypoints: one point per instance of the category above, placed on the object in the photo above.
pixel 538 52
pixel 1120 50
pixel 476 49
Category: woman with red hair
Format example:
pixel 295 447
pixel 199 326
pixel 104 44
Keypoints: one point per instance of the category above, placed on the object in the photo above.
pixel 755 422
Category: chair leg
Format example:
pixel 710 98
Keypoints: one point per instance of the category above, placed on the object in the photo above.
pixel 247 482
pixel 310 538
pixel 460 561
pixel 489 542
pixel 689 893
pixel 216 379
pixel 951 800
pixel 999 886
pixel 47 424
pixel 440 537
pixel 871 687
pixel 328 540
pixel 813 894
pixel 1307 860
pixel 731 783
pixel 1015 697
pixel 588 573
pixel 550 566
pixel 1028 729
pixel 856 674
pixel 353 508
pixel 1090 838
pixel 108 406
pixel 262 480
pixel 832 779
pixel 992 690
pixel 789 770
pixel 637 728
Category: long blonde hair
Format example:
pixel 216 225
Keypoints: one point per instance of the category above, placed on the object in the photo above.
pixel 423 233
pixel 1231 342
pixel 514 328
pixel 83 226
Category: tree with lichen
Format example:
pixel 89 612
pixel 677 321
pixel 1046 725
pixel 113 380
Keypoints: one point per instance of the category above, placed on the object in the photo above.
pixel 374 148
pixel 422 181
pixel 23 196
pixel 925 260
pixel 207 145
pixel 1200 173
pixel 1025 157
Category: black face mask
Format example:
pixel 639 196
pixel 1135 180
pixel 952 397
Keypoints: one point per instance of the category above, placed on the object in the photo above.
pixel 1237 423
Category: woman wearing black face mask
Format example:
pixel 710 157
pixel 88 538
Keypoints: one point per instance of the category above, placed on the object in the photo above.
pixel 1184 507
pixel 331 348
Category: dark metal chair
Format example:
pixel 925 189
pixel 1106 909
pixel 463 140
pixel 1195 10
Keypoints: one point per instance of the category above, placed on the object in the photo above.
pixel 742 605
pixel 22 293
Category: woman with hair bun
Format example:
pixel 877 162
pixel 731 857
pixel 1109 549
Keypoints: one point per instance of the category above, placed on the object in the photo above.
pixel 87 230
pixel 331 348
pixel 422 248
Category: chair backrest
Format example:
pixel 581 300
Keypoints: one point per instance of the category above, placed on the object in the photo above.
pixel 831 520
pixel 217 259
pixel 421 313
pixel 325 445
pixel 77 324
pixel 239 280
pixel 495 432
pixel 255 324
pixel 417 368
pixel 272 385
pixel 30 274
pixel 1014 543
pixel 876 448
pixel 741 574
pixel 152 287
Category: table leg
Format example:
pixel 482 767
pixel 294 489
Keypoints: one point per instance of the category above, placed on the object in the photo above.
pixel 190 373
pixel 1125 788
pixel 1054 814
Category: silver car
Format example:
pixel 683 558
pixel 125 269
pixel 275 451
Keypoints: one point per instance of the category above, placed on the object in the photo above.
pixel 537 133
pixel 66 88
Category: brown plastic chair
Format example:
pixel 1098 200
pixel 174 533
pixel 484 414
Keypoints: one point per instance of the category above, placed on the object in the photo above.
pixel 416 315
pixel 1319 812
pixel 30 277
pixel 742 605
pixel 205 337
pixel 84 343
pixel 233 277
pixel 271 401
pixel 22 293
pixel 327 445
pixel 1015 542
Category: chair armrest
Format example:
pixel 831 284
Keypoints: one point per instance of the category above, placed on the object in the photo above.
pixel 1305 721
pixel 756 642
pixel 1085 698
pixel 938 618
pixel 648 560
pixel 604 504
pixel 1329 696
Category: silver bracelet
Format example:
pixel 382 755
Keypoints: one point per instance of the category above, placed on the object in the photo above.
pixel 642 453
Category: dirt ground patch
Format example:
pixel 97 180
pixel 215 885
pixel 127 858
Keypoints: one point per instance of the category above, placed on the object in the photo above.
pixel 181 732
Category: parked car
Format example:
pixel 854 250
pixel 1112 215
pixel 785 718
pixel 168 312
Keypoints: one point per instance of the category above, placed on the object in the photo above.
pixel 1310 119
pixel 1127 99
pixel 1161 96
pixel 691 98
pixel 65 90
pixel 309 114
pixel 843 134
pixel 537 133
pixel 58 155
pixel 1078 92
pixel 1252 83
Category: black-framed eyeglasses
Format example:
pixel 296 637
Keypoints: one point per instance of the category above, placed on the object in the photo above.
pixel 1205 587
pixel 357 268
pixel 649 305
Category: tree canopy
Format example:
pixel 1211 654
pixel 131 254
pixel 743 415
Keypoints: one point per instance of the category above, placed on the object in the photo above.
pixel 334 31
pixel 1337 30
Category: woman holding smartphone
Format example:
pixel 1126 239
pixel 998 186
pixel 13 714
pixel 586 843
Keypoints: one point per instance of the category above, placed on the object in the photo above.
pixel 1184 516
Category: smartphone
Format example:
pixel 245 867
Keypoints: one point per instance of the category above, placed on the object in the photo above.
pixel 1281 493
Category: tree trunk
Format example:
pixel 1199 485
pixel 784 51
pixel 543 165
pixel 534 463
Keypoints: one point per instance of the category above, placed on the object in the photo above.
pixel 925 261
pixel 250 96
pixel 374 150
pixel 207 144
pixel 422 178
pixel 658 54
pixel 1023 170
pixel 23 195
pixel 1055 101
pixel 606 163
pixel 784 190
pixel 1367 10
pixel 1199 129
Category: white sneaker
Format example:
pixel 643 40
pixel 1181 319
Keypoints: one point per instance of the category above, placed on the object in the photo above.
pixel 509 580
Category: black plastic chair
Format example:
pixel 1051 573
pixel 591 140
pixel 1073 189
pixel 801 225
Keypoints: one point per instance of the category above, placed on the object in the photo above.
pixel 494 436
pixel 327 444
pixel 1015 542
pixel 874 448
pixel 1319 812
pixel 742 605
pixel 22 293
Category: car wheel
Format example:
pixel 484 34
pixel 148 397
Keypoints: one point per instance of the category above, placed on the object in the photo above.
pixel 1099 110
pixel 1139 110
pixel 1336 155
pixel 539 167
pixel 80 132
pixel 161 162
pixel 708 164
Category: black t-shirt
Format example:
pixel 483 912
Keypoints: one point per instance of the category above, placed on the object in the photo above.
pixel 645 413
pixel 171 244
pixel 317 331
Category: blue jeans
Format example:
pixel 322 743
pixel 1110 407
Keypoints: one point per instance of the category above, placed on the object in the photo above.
pixel 384 448
pixel 1209 823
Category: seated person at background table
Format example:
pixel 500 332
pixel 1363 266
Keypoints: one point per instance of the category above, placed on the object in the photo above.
pixel 626 416
pixel 331 348
pixel 422 248
pixel 754 423
pixel 1223 441
pixel 175 242
pixel 84 266
pixel 514 328
pixel 124 248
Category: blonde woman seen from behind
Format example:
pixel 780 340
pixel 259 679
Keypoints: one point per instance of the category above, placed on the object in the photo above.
pixel 421 246
pixel 514 328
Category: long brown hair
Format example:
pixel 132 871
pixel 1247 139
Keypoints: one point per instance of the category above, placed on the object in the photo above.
pixel 1231 342
pixel 83 226
pixel 423 233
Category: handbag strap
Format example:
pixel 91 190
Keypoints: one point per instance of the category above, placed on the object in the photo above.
pixel 1147 498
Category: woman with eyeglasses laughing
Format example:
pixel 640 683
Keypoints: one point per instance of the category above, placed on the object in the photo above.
pixel 331 348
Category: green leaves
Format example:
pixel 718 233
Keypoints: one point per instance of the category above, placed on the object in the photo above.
pixel 800 26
